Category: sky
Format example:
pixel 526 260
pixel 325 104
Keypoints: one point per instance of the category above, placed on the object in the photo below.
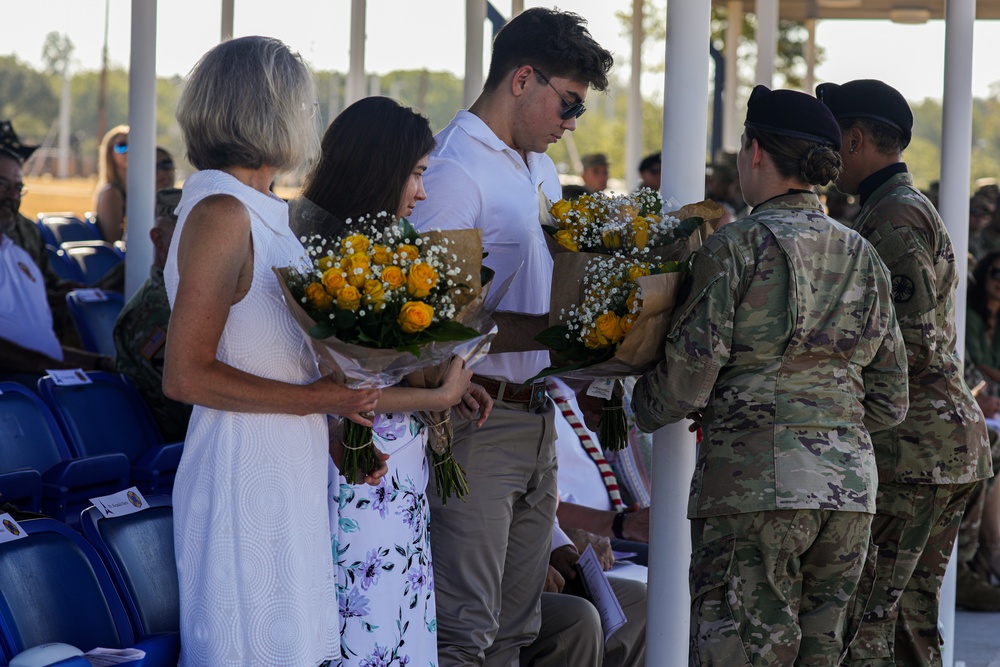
pixel 411 34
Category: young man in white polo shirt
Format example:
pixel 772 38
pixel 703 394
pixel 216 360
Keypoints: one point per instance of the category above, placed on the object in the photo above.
pixel 485 173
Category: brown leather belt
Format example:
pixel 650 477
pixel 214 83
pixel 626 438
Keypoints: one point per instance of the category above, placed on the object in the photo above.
pixel 533 395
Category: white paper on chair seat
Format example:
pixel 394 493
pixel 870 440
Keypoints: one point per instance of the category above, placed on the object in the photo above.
pixel 44 654
pixel 71 376
pixel 124 502
pixel 91 295
pixel 11 530
pixel 102 657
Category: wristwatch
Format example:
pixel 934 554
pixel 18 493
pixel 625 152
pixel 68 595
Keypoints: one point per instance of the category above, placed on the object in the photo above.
pixel 618 525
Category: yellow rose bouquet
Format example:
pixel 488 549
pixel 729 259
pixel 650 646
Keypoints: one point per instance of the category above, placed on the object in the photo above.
pixel 383 302
pixel 619 262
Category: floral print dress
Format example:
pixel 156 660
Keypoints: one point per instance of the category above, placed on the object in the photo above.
pixel 382 553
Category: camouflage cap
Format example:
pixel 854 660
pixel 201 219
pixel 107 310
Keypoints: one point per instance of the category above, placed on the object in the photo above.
pixel 11 145
pixel 868 98
pixel 594 160
pixel 167 200
pixel 790 113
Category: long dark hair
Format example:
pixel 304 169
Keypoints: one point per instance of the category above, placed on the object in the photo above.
pixel 366 156
pixel 977 285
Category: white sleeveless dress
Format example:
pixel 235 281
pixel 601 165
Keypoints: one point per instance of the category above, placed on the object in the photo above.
pixel 251 520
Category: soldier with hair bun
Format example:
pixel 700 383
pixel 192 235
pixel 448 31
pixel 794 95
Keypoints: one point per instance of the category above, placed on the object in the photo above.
pixel 928 465
pixel 787 350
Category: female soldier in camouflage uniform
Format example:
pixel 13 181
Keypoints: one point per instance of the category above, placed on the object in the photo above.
pixel 788 343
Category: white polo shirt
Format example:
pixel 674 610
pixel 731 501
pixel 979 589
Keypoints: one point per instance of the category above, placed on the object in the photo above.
pixel 25 317
pixel 476 181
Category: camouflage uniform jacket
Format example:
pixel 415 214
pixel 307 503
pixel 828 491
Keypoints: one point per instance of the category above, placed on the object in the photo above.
pixel 140 343
pixel 788 342
pixel 943 439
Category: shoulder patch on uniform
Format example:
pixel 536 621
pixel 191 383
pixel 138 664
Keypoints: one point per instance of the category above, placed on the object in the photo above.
pixel 902 289
pixel 156 340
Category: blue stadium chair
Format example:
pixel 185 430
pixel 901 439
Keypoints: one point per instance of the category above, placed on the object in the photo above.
pixel 54 588
pixel 110 416
pixel 33 451
pixel 47 236
pixel 94 258
pixel 95 320
pixel 67 228
pixel 138 550
pixel 65 268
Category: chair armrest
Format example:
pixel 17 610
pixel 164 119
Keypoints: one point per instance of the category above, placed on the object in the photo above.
pixel 104 469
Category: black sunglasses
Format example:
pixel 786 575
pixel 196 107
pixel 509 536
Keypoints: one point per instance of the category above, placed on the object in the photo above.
pixel 570 109
pixel 165 165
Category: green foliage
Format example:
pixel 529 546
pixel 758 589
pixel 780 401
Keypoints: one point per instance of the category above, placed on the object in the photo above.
pixel 27 99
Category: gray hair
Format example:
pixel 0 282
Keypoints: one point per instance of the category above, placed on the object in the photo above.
pixel 249 102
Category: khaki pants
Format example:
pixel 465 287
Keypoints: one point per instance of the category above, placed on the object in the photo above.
pixel 491 552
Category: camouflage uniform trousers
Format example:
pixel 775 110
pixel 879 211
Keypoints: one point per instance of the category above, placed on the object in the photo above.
pixel 914 529
pixel 777 587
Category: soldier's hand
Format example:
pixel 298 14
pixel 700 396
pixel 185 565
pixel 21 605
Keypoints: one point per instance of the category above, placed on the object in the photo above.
pixel 554 581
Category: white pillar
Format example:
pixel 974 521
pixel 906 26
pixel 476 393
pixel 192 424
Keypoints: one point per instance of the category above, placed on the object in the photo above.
pixel 956 159
pixel 355 88
pixel 64 130
pixel 767 40
pixel 734 29
pixel 516 7
pixel 141 200
pixel 685 128
pixel 475 18
pixel 227 22
pixel 633 123
pixel 334 97
pixel 809 83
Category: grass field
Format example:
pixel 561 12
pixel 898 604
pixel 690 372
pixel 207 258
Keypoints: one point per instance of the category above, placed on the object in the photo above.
pixel 76 195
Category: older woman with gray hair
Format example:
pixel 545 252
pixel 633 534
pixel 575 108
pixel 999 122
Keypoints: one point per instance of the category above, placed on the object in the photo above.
pixel 252 538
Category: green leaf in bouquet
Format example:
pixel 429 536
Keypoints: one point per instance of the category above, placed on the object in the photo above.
pixel 322 330
pixel 555 338
pixel 669 266
pixel 485 273
pixel 550 230
pixel 344 319
pixel 451 330
pixel 409 234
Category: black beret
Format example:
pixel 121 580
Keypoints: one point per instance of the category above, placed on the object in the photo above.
pixel 790 113
pixel 868 98
pixel 11 145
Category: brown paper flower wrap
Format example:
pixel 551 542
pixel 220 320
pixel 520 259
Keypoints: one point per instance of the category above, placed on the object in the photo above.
pixel 371 342
pixel 610 309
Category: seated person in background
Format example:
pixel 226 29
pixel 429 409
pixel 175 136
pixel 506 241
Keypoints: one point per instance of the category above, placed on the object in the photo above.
pixel 649 171
pixel 25 234
pixel 571 191
pixel 141 329
pixel 112 178
pixel 981 211
pixel 982 336
pixel 595 172
pixel 28 343
pixel 166 171
pixel 589 496
pixel 571 632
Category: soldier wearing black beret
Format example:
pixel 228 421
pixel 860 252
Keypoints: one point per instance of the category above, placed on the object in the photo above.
pixel 929 464
pixel 782 498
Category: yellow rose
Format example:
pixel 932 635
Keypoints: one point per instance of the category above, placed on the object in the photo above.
pixel 628 211
pixel 381 255
pixel 393 275
pixel 354 243
pixel 325 263
pixel 640 230
pixel 634 302
pixel 592 341
pixel 374 294
pixel 333 279
pixel 348 297
pixel 565 238
pixel 421 280
pixel 584 214
pixel 637 271
pixel 407 252
pixel 415 316
pixel 318 296
pixel 356 266
pixel 609 327
pixel 612 239
pixel 627 322
pixel 560 210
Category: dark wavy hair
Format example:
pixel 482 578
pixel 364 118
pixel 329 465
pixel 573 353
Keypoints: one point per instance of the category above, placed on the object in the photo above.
pixel 556 42
pixel 811 161
pixel 366 156
pixel 977 285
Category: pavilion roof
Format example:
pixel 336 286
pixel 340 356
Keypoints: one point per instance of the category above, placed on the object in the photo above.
pixel 800 10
